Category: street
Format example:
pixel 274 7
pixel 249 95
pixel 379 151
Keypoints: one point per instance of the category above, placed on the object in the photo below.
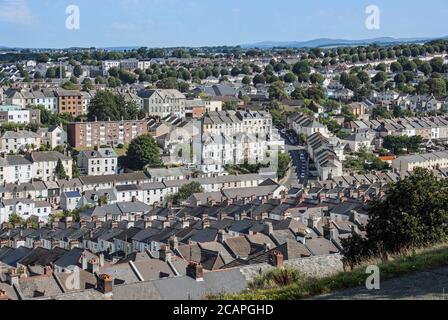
pixel 300 161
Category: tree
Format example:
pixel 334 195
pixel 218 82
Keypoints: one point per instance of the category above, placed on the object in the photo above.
pixel 51 73
pixel 301 67
pixel 15 219
pixel 277 91
pixel 290 77
pixel 317 78
pixel 396 67
pixel 437 86
pixel 380 77
pixel 412 214
pixel 87 84
pixel 107 105
pixel 425 67
pixel 167 83
pixel 187 191
pixel 59 171
pixel 246 80
pixel 127 77
pixel 381 112
pixel 396 144
pixel 69 85
pixel 437 64
pixel 143 151
pixel 284 160
pixel 259 78
pixel 77 71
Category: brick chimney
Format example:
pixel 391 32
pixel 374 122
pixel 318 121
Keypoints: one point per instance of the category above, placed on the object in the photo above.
pixel 12 276
pixel 148 223
pixel 312 222
pixel 174 243
pixel 205 224
pixel 93 266
pixel 165 254
pixel 276 259
pixel 106 284
pixel 329 230
pixel 3 295
pixel 268 228
pixel 195 271
pixel 221 236
pixel 353 215
pixel 48 271
pixel 68 222
pixel 101 262
pixel 55 223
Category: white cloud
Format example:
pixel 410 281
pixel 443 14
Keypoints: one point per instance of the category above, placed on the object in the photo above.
pixel 16 11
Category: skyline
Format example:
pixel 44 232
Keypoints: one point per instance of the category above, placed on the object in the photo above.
pixel 195 23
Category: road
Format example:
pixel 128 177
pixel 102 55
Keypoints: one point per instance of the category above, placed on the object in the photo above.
pixel 299 169
pixel 427 285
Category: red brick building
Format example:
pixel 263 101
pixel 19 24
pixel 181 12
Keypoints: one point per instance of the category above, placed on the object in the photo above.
pixel 98 133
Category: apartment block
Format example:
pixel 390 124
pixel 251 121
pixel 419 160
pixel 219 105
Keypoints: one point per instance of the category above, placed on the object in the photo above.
pixel 70 101
pixel 111 133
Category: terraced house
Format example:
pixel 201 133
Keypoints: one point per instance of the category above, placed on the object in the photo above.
pixel 163 102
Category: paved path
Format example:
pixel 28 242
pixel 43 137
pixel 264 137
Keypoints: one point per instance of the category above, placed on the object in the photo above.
pixel 428 285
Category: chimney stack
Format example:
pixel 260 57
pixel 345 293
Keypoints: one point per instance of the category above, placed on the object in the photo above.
pixel 269 229
pixel 148 223
pixel 221 236
pixel 106 284
pixel 93 266
pixel 48 271
pixel 329 230
pixel 165 254
pixel 195 271
pixel 276 259
pixel 312 222
pixel 101 256
pixel 174 243
pixel 3 295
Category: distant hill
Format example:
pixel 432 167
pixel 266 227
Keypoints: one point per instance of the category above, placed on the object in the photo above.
pixel 326 42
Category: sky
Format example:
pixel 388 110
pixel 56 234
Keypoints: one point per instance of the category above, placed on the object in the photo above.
pixel 194 23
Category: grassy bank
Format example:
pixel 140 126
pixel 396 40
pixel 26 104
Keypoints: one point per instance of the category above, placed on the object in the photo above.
pixel 301 287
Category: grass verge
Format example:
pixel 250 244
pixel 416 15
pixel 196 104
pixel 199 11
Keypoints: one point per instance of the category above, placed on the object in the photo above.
pixel 305 287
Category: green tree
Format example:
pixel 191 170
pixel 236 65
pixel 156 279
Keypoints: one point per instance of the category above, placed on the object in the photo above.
pixel 301 67
pixel 290 77
pixel 396 144
pixel 246 80
pixel 69 85
pixel 426 68
pixel 107 105
pixel 59 171
pixel 284 160
pixel 167 83
pixel 77 71
pixel 143 151
pixel 187 191
pixel 317 78
pixel 412 214
pixel 437 86
pixel 259 78
pixel 381 112
pixel 277 91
